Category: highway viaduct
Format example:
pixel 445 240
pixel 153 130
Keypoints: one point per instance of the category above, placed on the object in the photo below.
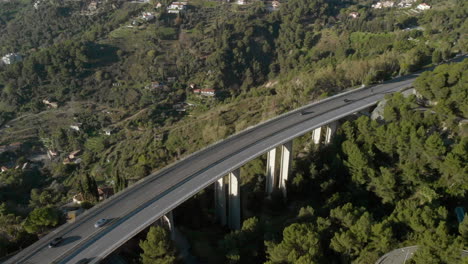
pixel 155 196
pixel 143 203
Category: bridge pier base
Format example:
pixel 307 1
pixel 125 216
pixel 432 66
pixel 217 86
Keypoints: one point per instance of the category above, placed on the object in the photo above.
pixel 286 159
pixel 330 131
pixel 234 221
pixel 220 200
pixel 270 171
pixel 168 221
pixel 171 224
pixel 317 135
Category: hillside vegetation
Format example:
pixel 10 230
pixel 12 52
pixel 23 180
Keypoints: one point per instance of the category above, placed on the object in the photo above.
pixel 110 70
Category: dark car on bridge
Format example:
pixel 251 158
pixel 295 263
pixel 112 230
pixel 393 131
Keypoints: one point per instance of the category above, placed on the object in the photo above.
pixel 55 242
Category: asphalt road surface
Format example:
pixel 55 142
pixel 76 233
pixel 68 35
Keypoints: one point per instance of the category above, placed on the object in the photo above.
pixel 141 204
pixel 402 255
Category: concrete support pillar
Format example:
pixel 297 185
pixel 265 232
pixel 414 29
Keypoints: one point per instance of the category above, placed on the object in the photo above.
pixel 220 200
pixel 234 220
pixel 286 159
pixel 169 219
pixel 317 135
pixel 331 129
pixel 270 171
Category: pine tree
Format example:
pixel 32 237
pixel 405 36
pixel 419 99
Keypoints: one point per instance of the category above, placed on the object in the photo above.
pixel 41 218
pixel 245 245
pixel 301 244
pixel 157 248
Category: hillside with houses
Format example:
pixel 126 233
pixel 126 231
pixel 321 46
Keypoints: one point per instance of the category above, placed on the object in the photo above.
pixel 95 95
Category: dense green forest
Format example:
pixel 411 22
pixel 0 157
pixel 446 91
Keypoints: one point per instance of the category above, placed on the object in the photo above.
pixel 99 68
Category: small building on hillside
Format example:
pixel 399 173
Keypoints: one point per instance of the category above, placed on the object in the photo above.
pixel 108 131
pixel 406 3
pixel 272 5
pixel 354 14
pixel 11 58
pixel 75 127
pixel 205 92
pixel 78 198
pixel 423 6
pixel 72 157
pixel 384 4
pixel 50 103
pixel 147 16
pixel 37 4
pixel 208 92
pixel 105 192
pixel 177 7
pixel 275 4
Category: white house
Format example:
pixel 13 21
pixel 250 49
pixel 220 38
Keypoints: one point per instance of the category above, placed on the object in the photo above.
pixel 176 7
pixel 36 4
pixel 423 6
pixel 78 198
pixel 354 14
pixel 49 103
pixel 384 4
pixel 11 58
pixel 406 3
pixel 108 131
pixel 208 92
pixel 275 4
pixel 75 127
pixel 270 5
pixel 147 16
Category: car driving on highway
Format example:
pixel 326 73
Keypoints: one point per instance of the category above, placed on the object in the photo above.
pixel 100 222
pixel 55 242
